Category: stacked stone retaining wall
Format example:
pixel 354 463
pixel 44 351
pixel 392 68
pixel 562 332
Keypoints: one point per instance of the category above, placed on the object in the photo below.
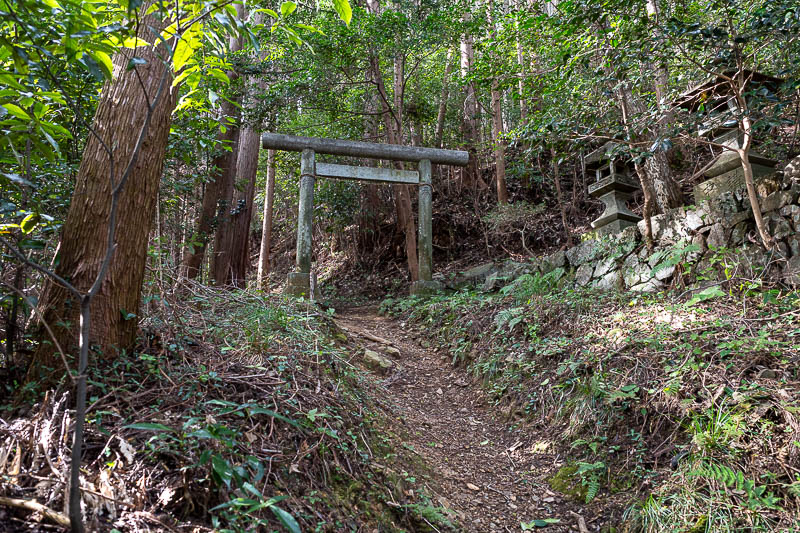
pixel 718 236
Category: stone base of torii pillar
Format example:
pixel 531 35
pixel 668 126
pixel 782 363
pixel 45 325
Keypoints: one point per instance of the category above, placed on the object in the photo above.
pixel 426 288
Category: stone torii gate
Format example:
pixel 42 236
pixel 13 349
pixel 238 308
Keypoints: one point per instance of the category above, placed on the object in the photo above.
pixel 299 282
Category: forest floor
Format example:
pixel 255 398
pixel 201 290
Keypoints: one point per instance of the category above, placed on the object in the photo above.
pixel 480 413
pixel 492 475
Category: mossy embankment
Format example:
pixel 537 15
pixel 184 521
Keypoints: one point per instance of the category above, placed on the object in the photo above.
pixel 678 413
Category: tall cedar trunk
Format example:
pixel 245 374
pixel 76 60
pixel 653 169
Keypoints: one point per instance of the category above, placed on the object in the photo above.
pixel 469 124
pixel 666 191
pixel 560 198
pixel 499 146
pixel 405 215
pixel 120 115
pixel 523 102
pixel 246 170
pixel 370 222
pixel 221 173
pixel 661 74
pixel 223 236
pixel 393 123
pixel 416 134
pixel 497 128
pixel 405 211
pixel 207 220
pixel 523 75
pixel 443 99
pixel 369 217
pixel 221 260
pixel 266 228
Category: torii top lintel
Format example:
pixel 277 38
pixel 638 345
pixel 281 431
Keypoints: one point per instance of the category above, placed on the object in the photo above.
pixel 392 152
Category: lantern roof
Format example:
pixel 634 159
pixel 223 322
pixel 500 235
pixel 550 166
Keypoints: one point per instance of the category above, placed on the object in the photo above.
pixel 716 89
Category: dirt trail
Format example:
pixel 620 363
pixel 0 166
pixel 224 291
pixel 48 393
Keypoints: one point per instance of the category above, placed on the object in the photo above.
pixel 491 475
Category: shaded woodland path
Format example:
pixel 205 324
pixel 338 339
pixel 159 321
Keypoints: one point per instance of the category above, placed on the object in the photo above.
pixel 492 476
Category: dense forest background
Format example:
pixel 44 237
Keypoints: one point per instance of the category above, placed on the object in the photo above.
pixel 132 179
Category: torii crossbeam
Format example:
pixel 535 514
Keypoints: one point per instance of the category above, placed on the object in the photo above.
pixel 299 282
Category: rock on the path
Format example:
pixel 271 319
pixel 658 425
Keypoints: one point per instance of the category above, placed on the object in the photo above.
pixel 391 350
pixel 377 361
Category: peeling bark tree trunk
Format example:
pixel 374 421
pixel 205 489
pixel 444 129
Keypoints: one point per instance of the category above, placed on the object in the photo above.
pixel 497 128
pixel 405 215
pixel 221 173
pixel 668 192
pixel 266 228
pixel 369 223
pixel 661 83
pixel 499 146
pixel 443 99
pixel 665 191
pixel 659 187
pixel 469 125
pixel 246 170
pixel 121 112
pixel 222 259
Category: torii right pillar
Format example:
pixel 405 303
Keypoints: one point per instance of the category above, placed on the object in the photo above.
pixel 425 284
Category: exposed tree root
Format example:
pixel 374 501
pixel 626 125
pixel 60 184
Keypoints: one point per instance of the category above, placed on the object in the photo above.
pixel 32 505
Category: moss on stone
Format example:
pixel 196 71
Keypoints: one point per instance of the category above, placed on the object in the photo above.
pixel 566 482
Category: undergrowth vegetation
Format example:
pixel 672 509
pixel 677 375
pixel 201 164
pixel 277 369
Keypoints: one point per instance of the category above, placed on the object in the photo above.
pixel 237 412
pixel 682 413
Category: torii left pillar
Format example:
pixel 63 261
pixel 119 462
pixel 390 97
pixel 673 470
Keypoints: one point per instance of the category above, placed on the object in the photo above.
pixel 299 282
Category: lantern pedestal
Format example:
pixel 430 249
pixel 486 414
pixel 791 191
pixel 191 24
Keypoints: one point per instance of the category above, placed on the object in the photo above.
pixel 614 191
pixel 614 186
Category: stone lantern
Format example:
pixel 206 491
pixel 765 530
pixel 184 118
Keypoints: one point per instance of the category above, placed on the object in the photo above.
pixel 614 186
pixel 714 100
